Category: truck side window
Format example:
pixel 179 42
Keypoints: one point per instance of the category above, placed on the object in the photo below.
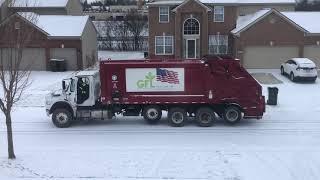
pixel 82 90
pixel 72 85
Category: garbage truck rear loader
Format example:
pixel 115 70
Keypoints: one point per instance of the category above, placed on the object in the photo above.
pixel 202 89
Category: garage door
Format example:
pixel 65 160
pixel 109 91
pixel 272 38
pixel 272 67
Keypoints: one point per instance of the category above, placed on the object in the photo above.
pixel 313 53
pixel 68 54
pixel 31 57
pixel 265 57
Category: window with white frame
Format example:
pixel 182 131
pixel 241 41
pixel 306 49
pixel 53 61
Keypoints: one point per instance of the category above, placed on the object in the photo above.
pixel 163 14
pixel 218 44
pixel 218 13
pixel 191 27
pixel 164 45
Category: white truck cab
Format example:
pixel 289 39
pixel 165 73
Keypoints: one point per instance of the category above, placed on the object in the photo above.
pixel 78 98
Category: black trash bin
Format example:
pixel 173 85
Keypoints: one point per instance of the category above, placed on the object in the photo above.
pixel 145 54
pixel 272 96
pixel 58 65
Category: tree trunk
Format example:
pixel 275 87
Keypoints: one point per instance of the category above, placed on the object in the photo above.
pixel 9 136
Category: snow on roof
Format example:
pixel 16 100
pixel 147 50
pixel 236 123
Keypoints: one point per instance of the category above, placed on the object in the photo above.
pixel 59 25
pixel 302 20
pixel 248 1
pixel 40 3
pixel 245 21
pixel 87 73
pixel 303 60
pixel 305 20
pixel 175 2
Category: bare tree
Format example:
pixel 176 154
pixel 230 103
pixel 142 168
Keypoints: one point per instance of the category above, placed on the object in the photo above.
pixel 16 34
pixel 136 24
pixel 105 30
pixel 121 34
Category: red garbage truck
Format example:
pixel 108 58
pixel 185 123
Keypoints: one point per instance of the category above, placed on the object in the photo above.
pixel 204 89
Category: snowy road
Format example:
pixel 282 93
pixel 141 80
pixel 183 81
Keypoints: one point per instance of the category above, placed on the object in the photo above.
pixel 284 145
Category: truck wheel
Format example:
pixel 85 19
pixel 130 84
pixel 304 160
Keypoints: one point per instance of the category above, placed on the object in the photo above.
pixel 205 117
pixel 62 118
pixel 177 117
pixel 232 115
pixel 152 114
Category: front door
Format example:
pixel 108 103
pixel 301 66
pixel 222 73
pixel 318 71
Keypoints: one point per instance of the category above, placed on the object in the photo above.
pixel 191 49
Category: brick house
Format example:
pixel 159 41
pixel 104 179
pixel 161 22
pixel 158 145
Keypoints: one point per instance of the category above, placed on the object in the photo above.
pixel 259 37
pixel 71 38
pixel 42 7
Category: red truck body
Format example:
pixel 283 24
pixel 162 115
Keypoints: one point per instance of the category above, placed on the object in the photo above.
pixel 205 82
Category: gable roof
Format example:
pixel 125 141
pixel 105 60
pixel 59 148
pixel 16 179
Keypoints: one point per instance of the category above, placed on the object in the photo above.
pixel 39 3
pixel 73 26
pixel 197 1
pixel 235 2
pixel 305 20
pixel 245 22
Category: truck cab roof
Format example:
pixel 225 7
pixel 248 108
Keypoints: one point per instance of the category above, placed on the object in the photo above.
pixel 87 73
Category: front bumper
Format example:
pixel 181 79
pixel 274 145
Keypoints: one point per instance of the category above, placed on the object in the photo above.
pixel 306 78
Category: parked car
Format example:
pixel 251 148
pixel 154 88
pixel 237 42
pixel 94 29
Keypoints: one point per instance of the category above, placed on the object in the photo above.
pixel 300 69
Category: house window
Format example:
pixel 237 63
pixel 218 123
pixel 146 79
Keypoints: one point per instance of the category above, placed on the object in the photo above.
pixel 163 14
pixel 218 14
pixel 218 44
pixel 164 45
pixel 191 27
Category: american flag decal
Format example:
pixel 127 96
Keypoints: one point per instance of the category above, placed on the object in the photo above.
pixel 167 76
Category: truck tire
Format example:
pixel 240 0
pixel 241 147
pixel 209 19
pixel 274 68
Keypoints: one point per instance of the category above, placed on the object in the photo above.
pixel 232 115
pixel 62 118
pixel 205 117
pixel 177 117
pixel 152 114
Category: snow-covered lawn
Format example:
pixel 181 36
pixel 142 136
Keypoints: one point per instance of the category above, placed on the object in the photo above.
pixel 284 145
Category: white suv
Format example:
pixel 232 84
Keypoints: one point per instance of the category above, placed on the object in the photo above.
pixel 300 68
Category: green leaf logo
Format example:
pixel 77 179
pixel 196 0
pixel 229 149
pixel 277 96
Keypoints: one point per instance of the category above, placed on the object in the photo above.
pixel 150 76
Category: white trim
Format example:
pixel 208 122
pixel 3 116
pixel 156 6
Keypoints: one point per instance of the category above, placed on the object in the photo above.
pixel 214 14
pixel 163 45
pixel 168 8
pixel 197 1
pixel 191 34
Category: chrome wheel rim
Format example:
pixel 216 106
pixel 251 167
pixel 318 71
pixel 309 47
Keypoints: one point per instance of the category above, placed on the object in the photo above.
pixel 62 118
pixel 205 117
pixel 232 115
pixel 177 117
pixel 152 114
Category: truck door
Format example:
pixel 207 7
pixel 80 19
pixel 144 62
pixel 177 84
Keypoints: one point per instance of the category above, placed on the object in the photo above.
pixel 85 91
